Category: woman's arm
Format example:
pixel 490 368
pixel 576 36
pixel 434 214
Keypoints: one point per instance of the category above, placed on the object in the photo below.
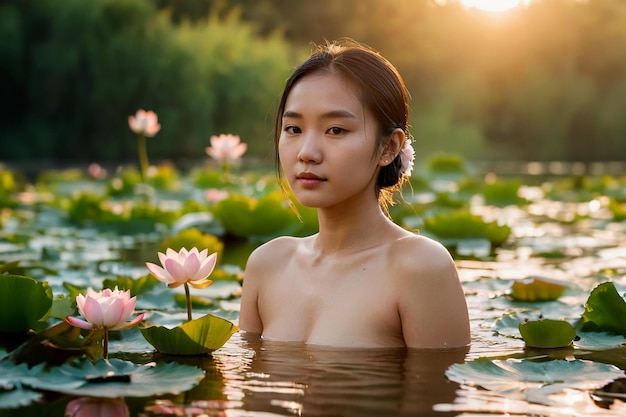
pixel 249 318
pixel 431 303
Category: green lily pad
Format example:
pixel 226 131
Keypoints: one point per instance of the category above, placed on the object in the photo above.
pixel 18 397
pixel 526 379
pixel 23 302
pixel 605 310
pixel 116 378
pixel 136 286
pixel 196 301
pixel 537 289
pixel 595 341
pixel 12 394
pixel 195 337
pixel 508 324
pixel 246 217
pixel 547 333
pixel 462 224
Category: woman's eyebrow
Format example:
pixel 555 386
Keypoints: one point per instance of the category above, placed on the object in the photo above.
pixel 332 114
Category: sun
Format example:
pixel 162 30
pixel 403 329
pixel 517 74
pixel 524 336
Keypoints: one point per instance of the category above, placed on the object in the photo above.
pixel 494 5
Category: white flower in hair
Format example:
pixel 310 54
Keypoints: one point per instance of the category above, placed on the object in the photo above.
pixel 407 156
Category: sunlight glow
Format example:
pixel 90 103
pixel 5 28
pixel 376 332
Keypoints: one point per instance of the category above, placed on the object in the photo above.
pixel 494 5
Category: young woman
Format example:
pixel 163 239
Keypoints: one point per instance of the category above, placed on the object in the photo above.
pixel 343 145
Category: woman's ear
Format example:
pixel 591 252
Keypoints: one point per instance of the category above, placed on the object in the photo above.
pixel 392 147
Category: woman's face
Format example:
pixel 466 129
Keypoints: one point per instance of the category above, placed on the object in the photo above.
pixel 327 146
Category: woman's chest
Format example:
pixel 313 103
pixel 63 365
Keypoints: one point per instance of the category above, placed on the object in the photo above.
pixel 332 304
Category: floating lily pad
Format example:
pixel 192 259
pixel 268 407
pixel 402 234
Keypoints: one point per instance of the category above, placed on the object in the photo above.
pixel 537 289
pixel 599 341
pixel 117 378
pixel 18 397
pixel 605 310
pixel 547 333
pixel 12 394
pixel 462 224
pixel 195 337
pixel 136 286
pixel 23 302
pixel 246 217
pixel 196 301
pixel 527 379
pixel 508 324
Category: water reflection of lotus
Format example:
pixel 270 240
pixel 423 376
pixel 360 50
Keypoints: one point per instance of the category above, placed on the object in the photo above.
pixel 94 407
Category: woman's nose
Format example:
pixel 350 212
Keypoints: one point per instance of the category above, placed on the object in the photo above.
pixel 310 151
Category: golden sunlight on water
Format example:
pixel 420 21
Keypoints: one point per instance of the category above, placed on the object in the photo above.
pixel 490 5
pixel 494 5
pixel 280 378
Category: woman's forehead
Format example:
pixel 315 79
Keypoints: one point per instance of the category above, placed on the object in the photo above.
pixel 327 92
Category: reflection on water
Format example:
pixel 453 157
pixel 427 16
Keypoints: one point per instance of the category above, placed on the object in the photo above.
pixel 574 240
pixel 295 379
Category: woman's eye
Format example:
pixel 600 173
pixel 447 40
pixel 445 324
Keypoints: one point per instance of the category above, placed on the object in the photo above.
pixel 292 130
pixel 336 130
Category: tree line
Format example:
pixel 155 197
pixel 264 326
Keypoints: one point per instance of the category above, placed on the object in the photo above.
pixel 543 82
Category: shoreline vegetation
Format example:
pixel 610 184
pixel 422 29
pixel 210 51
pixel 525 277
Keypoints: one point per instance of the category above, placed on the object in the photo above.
pixel 481 85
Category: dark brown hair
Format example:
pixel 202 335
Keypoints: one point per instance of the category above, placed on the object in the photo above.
pixel 382 92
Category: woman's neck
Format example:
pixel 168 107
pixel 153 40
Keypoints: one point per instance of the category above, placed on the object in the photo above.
pixel 347 231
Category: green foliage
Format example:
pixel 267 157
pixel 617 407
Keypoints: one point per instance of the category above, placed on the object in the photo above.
pixel 441 163
pixel 87 207
pixel 201 65
pixel 8 186
pixel 131 217
pixel 462 224
pixel 164 177
pixel 73 102
pixel 111 378
pixel 136 286
pixel 501 193
pixel 547 333
pixel 618 210
pixel 23 303
pixel 204 178
pixel 192 237
pixel 124 184
pixel 605 310
pixel 249 217
pixel 536 289
pixel 196 301
pixel 196 337
pixel 532 379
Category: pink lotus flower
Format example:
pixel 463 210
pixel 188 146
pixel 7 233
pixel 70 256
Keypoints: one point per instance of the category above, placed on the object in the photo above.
pixel 96 171
pixel 97 407
pixel 144 123
pixel 107 309
pixel 214 195
pixel 226 148
pixel 184 267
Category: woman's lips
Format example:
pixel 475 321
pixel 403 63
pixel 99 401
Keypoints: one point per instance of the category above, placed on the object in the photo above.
pixel 308 179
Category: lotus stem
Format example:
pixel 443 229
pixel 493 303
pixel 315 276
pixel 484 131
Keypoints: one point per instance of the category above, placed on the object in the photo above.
pixel 143 156
pixel 188 297
pixel 226 169
pixel 105 344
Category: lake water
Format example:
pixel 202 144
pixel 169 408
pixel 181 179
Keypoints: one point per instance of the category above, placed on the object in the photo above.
pixel 250 377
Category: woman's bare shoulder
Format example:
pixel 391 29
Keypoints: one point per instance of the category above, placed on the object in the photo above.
pixel 420 256
pixel 278 248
